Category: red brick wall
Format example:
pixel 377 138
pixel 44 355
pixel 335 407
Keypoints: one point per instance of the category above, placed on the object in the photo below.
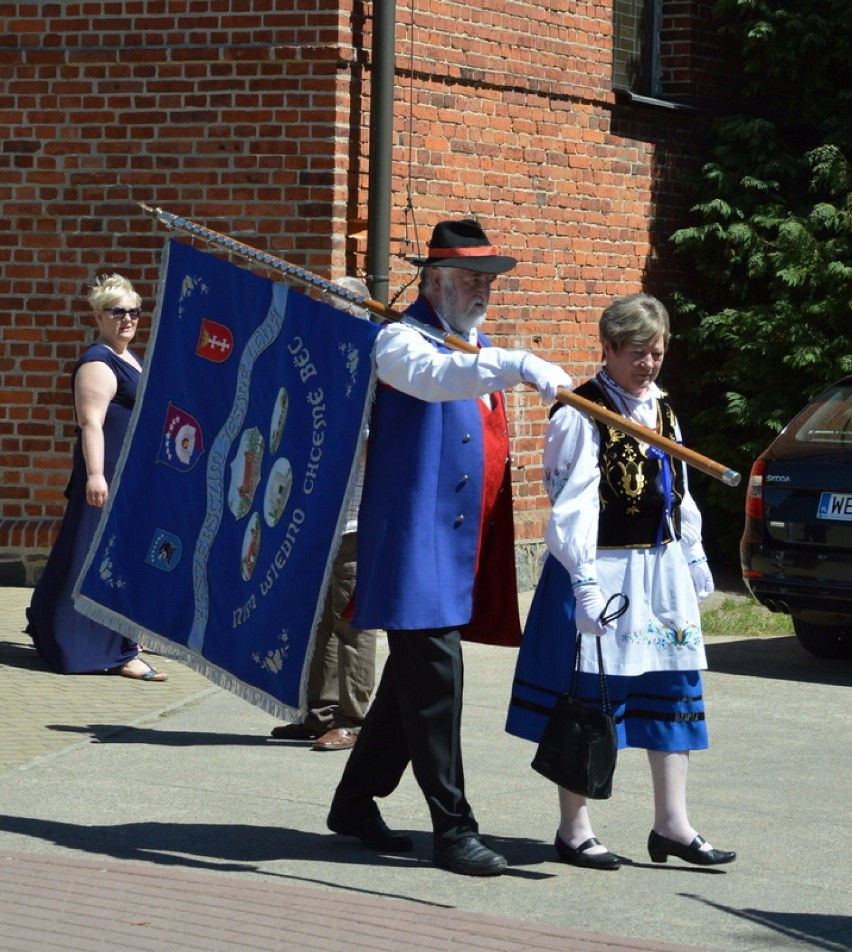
pixel 255 123
pixel 227 118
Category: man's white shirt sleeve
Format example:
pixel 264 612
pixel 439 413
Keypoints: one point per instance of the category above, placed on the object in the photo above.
pixel 408 362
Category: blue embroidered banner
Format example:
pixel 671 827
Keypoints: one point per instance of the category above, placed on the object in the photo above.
pixel 225 513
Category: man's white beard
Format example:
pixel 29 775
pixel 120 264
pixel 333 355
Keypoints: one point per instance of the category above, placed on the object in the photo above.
pixel 466 323
pixel 461 323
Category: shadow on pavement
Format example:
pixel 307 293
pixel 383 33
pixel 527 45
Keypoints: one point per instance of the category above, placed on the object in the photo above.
pixel 239 847
pixel 829 933
pixel 782 659
pixel 224 847
pixel 128 734
pixel 14 655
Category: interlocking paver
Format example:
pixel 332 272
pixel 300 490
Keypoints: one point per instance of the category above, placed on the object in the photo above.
pixel 43 712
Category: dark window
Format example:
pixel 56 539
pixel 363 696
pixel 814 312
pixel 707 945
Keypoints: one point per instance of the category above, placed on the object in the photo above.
pixel 636 46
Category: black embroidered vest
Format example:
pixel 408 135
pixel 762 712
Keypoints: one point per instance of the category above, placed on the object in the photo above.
pixel 632 507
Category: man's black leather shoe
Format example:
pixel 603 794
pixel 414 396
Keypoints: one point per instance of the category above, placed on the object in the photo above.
pixel 372 831
pixel 470 857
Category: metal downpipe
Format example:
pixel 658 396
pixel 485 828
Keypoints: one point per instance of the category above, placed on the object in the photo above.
pixel 381 149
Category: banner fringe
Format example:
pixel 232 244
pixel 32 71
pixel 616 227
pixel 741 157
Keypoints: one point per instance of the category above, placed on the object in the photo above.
pixel 175 652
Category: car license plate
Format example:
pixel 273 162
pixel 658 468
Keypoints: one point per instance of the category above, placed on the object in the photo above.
pixel 835 506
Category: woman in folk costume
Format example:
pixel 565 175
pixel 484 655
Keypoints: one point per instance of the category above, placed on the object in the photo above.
pixel 623 520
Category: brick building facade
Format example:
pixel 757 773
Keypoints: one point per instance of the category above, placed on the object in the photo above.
pixel 568 129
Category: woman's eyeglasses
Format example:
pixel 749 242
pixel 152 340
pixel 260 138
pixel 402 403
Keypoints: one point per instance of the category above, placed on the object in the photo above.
pixel 119 312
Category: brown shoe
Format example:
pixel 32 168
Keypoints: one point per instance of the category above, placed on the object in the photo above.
pixel 338 738
pixel 295 732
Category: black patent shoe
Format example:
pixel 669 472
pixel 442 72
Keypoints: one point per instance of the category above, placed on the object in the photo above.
pixel 581 856
pixel 661 847
pixel 371 830
pixel 470 857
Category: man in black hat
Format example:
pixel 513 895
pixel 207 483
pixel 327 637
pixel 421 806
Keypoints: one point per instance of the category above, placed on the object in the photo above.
pixel 436 545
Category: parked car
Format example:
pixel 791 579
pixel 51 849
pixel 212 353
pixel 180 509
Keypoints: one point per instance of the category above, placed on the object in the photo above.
pixel 796 548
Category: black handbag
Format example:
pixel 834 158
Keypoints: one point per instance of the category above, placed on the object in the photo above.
pixel 578 749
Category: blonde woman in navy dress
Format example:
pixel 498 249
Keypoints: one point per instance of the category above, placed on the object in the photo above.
pixel 104 384
pixel 623 520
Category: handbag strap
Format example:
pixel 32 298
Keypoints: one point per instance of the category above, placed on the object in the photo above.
pixel 605 618
pixel 575 684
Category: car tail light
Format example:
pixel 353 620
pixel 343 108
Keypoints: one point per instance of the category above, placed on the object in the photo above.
pixel 754 492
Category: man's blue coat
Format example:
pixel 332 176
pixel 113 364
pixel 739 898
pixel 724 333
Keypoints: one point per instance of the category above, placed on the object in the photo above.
pixel 420 536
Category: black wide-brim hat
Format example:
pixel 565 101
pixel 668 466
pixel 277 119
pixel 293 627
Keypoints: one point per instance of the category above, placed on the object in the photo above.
pixel 463 244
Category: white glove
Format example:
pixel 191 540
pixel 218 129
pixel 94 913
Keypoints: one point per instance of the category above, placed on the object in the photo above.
pixel 702 580
pixel 546 377
pixel 590 605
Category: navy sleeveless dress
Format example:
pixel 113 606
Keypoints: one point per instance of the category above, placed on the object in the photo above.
pixel 68 642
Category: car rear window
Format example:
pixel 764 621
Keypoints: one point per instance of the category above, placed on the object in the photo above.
pixel 827 420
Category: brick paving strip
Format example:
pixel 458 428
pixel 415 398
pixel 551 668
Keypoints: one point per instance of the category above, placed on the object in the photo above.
pixel 71 905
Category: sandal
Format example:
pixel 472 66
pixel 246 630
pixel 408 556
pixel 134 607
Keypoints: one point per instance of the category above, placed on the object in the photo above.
pixel 150 675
